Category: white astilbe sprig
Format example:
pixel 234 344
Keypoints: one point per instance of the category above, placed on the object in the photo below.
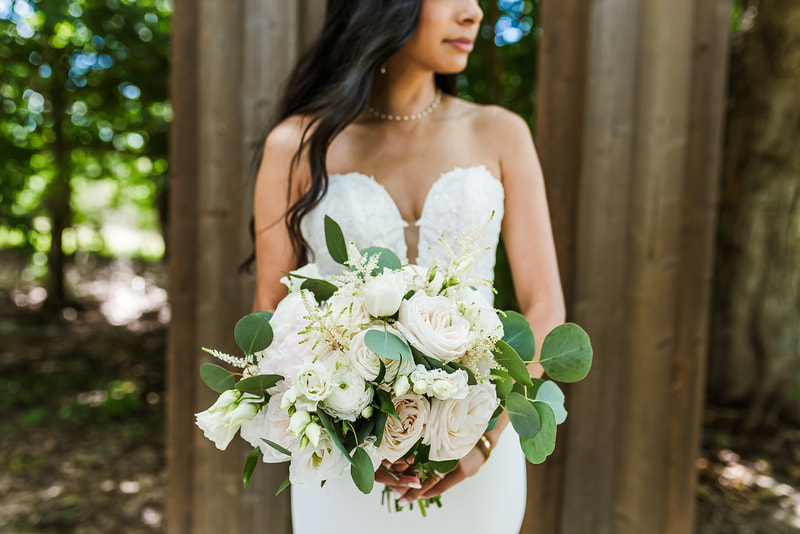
pixel 227 358
pixel 459 269
pixel 327 330
pixel 361 268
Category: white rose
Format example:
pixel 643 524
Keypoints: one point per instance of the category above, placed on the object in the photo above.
pixel 312 384
pixel 309 270
pixel 401 434
pixel 314 464
pixel 456 425
pixel 348 395
pixel 434 326
pixel 367 364
pixel 384 292
pixel 478 311
pixel 270 423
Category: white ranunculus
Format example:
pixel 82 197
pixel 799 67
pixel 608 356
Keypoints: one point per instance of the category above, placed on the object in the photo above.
pixel 478 311
pixel 270 423
pixel 309 270
pixel 384 292
pixel 435 326
pixel 456 425
pixel 348 395
pixel 439 383
pixel 312 384
pixel 314 464
pixel 367 364
pixel 401 434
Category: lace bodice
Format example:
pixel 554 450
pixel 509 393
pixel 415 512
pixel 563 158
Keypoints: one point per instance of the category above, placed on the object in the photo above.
pixel 459 202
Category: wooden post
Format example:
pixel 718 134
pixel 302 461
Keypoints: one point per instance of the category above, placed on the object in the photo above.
pixel 230 60
pixel 630 152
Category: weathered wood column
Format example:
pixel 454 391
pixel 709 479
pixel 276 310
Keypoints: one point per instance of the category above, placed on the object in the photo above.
pixel 630 153
pixel 229 62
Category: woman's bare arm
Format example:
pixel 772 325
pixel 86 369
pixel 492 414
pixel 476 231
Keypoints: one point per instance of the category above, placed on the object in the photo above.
pixel 273 246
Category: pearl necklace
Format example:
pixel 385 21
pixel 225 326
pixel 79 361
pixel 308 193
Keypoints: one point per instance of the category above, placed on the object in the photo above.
pixel 415 116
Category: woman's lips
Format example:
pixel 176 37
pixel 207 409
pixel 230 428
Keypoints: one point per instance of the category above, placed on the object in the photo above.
pixel 465 45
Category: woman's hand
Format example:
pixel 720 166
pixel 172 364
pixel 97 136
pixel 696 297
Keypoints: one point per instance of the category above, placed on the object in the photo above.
pixel 436 485
pixel 399 476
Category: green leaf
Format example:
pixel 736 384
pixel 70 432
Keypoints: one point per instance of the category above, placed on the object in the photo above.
pixel 550 393
pixel 257 384
pixel 566 353
pixel 283 486
pixel 518 334
pixel 385 403
pixel 321 289
pixel 217 378
pixel 335 436
pixel 387 259
pixel 380 425
pixel 524 417
pixel 540 446
pixel 381 373
pixel 444 466
pixel 250 465
pixel 492 424
pixel 508 358
pixel 277 447
pixel 253 333
pixel 361 470
pixel 334 239
pixel 386 345
pixel 265 314
pixel 529 392
pixel 470 377
pixel 420 359
pixel 503 386
pixel 364 429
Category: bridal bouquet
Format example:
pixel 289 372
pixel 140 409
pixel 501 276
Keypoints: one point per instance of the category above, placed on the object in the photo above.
pixel 382 362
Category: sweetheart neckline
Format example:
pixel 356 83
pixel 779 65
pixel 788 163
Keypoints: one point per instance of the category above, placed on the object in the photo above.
pixel 489 174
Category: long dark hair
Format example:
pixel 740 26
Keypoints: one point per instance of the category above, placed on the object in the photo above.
pixel 331 83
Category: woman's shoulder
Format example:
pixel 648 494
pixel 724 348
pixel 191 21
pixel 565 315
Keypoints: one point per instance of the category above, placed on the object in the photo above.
pixel 287 134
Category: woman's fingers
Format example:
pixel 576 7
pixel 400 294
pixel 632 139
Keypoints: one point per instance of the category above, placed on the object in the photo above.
pixel 399 481
pixel 414 494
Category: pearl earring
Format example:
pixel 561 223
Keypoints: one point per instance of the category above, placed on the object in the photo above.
pixel 383 68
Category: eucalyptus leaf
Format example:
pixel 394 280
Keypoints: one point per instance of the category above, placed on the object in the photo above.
pixel 361 470
pixel 566 353
pixel 381 372
pixel 518 334
pixel 217 378
pixel 444 466
pixel 250 465
pixel 508 358
pixel 524 417
pixel 257 384
pixel 420 359
pixel 550 393
pixel 321 289
pixel 540 446
pixel 387 259
pixel 265 314
pixel 334 240
pixel 529 392
pixel 503 386
pixel 386 345
pixel 253 333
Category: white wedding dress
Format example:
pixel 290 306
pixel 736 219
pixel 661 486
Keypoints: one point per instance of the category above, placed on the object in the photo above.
pixel 459 202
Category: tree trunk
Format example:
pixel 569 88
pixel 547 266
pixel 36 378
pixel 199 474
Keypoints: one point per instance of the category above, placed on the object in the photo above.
pixel 755 357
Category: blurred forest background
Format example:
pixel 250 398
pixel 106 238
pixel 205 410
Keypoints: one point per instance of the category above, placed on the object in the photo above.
pixel 84 178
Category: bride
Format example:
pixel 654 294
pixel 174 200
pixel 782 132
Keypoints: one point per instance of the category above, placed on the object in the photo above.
pixel 370 133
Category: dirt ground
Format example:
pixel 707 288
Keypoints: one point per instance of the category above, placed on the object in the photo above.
pixel 82 418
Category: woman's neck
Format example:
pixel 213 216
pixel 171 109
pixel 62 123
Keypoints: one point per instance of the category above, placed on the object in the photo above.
pixel 402 90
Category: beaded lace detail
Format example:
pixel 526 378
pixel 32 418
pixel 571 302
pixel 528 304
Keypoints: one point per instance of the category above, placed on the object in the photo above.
pixel 459 202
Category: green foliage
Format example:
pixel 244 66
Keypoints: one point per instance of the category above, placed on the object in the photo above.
pixel 253 333
pixel 386 345
pixel 83 89
pixel 566 353
pixel 217 378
